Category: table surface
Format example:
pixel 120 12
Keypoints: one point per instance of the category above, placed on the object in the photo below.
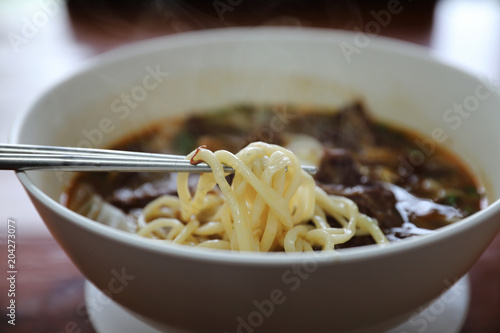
pixel 41 42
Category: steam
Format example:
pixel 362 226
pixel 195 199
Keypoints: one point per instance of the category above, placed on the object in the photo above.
pixel 159 17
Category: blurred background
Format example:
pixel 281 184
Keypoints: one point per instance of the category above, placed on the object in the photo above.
pixel 44 41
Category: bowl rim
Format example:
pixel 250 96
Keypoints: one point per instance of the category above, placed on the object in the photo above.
pixel 222 35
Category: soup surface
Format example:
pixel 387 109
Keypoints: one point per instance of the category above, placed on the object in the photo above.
pixel 403 180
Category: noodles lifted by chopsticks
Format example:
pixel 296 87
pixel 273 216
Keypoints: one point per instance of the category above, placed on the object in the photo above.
pixel 271 204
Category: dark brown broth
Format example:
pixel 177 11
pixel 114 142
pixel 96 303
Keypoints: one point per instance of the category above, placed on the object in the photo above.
pixel 371 163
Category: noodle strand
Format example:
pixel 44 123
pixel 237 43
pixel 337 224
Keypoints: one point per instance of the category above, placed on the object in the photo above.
pixel 271 204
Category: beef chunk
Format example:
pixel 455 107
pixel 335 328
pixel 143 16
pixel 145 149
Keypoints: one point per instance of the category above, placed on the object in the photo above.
pixel 374 200
pixel 127 198
pixel 354 128
pixel 338 167
pixel 136 190
pixel 349 128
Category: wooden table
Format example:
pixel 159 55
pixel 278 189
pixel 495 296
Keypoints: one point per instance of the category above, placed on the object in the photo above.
pixel 44 41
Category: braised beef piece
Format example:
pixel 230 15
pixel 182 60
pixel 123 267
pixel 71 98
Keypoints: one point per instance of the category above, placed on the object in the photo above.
pixel 132 196
pixel 349 128
pixel 136 194
pixel 129 190
pixel 377 202
pixel 373 200
pixel 339 167
pixel 354 128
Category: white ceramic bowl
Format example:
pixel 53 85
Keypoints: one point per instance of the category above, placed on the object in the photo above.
pixel 367 288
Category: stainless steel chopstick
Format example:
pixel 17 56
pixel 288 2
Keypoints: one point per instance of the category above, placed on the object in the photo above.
pixel 91 163
pixel 32 157
pixel 30 149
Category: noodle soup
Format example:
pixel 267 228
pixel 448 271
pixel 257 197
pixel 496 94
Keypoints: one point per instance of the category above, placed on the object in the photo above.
pixel 375 183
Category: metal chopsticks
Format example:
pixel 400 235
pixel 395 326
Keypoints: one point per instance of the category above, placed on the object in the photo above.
pixel 35 157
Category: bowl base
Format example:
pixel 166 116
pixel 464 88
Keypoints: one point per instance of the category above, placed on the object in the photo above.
pixel 445 314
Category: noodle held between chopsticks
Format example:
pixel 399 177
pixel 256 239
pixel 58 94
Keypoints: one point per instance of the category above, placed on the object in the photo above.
pixel 271 204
